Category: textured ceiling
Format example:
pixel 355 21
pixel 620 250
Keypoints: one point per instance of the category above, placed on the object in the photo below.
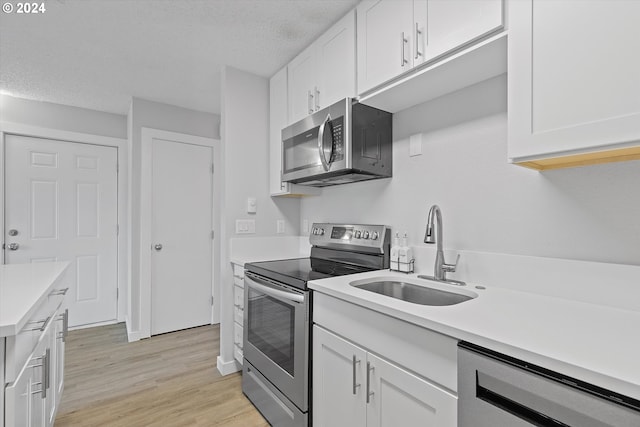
pixel 97 54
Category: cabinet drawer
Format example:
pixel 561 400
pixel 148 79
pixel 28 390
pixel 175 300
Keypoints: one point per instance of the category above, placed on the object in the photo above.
pixel 238 270
pixel 238 335
pixel 20 346
pixel 238 281
pixel 238 315
pixel 238 297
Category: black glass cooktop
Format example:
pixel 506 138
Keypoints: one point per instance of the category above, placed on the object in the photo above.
pixel 297 272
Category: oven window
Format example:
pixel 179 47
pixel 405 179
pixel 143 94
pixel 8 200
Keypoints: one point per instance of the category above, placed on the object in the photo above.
pixel 271 328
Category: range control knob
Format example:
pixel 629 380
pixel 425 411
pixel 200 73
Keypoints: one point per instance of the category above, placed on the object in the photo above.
pixel 365 234
pixel 357 234
pixel 321 231
pixel 374 235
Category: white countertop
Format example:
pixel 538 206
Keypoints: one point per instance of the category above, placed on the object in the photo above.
pixel 593 343
pixel 22 288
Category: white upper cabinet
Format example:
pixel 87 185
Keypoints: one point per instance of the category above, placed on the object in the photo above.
pixel 385 40
pixel 278 120
pixel 574 82
pixel 395 36
pixel 324 72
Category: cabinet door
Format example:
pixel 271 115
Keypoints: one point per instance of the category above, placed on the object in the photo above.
pixel 301 76
pixel 277 121
pixel 400 398
pixel 573 80
pixel 385 40
pixel 18 397
pixel 445 25
pixel 338 381
pixel 336 59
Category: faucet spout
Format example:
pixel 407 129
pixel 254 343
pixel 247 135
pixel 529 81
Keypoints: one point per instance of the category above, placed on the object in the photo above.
pixel 433 235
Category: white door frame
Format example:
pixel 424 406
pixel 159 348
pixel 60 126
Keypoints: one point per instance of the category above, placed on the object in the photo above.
pixel 146 179
pixel 122 146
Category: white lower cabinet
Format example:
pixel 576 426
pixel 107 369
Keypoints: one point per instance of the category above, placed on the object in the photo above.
pixel 238 311
pixel 34 363
pixel 352 387
pixel 370 369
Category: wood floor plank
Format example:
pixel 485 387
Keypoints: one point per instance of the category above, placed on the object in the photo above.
pixel 166 380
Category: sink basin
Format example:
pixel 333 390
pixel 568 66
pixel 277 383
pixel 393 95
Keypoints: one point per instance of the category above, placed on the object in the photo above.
pixel 416 293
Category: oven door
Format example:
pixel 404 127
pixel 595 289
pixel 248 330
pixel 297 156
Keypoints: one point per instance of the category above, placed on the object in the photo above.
pixel 276 335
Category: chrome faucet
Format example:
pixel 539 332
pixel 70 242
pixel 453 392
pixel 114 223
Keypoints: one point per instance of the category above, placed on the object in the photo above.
pixel 434 235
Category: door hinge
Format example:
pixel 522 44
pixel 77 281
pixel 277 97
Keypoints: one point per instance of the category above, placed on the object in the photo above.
pixel 211 299
pixel 117 167
pixel 213 234
pixel 117 293
pixel 212 167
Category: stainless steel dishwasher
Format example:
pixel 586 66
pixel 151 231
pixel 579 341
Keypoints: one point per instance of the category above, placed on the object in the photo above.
pixel 499 390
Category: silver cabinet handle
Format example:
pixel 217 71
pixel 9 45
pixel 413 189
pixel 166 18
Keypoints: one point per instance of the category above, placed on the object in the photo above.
pixel 157 247
pixel 355 386
pixel 65 325
pixel 369 392
pixel 59 292
pixel 310 102
pixel 14 246
pixel 403 40
pixel 317 98
pixel 418 32
pixel 45 378
pixel 44 322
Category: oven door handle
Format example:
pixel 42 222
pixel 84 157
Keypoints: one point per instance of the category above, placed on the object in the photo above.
pixel 265 288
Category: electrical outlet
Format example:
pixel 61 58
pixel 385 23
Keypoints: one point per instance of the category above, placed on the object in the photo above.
pixel 305 226
pixel 245 226
pixel 280 226
pixel 415 145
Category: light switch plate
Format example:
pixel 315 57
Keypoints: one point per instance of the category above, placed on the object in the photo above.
pixel 280 226
pixel 305 226
pixel 252 205
pixel 415 145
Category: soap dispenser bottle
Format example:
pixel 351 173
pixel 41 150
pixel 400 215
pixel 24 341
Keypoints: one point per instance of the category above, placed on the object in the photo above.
pixel 405 256
pixel 394 256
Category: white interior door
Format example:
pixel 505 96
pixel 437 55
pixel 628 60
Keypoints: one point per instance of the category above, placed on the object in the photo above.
pixel 61 204
pixel 181 259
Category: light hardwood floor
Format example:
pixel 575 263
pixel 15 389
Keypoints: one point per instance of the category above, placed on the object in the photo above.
pixel 166 380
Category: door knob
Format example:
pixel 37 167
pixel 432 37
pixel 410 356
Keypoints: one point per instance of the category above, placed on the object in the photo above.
pixel 157 247
pixel 13 232
pixel 13 246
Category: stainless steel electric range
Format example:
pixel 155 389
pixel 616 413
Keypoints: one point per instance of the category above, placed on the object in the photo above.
pixel 278 319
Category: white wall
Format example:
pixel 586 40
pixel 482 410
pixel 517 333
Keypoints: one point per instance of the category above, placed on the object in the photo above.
pixel 62 117
pixel 244 131
pixel 144 113
pixel 589 213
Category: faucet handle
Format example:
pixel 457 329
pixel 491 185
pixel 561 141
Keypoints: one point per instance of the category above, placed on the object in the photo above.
pixel 451 268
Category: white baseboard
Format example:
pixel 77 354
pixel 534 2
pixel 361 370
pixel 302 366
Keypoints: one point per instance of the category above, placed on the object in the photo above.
pixel 93 325
pixel 133 335
pixel 227 367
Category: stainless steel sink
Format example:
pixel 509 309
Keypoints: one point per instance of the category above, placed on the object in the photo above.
pixel 414 293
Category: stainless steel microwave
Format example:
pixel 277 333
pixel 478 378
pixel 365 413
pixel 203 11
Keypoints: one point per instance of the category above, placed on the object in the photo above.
pixel 344 142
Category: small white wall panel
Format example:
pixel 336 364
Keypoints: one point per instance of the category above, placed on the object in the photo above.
pixel 87 277
pixel 44 209
pixel 44 159
pixel 88 208
pixel 85 162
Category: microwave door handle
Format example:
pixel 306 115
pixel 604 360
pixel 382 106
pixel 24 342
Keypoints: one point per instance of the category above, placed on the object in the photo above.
pixel 272 292
pixel 323 159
